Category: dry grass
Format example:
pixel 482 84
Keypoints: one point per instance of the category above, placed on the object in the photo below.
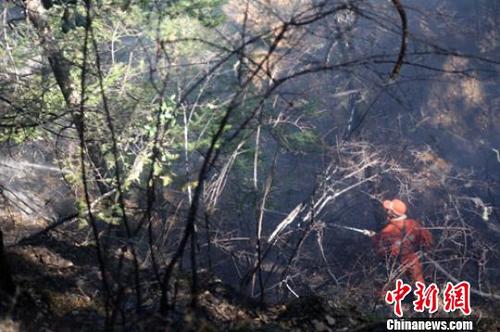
pixel 8 325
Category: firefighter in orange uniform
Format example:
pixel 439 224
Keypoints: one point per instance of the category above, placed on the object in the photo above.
pixel 402 237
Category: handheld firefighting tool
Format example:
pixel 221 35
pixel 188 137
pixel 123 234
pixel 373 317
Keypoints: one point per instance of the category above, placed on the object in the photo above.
pixel 365 232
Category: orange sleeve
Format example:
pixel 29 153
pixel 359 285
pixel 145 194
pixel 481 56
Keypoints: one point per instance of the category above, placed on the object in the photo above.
pixel 424 236
pixel 387 241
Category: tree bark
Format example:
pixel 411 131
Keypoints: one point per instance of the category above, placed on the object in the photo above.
pixel 7 286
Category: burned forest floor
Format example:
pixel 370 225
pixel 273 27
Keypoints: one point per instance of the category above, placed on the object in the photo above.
pixel 59 289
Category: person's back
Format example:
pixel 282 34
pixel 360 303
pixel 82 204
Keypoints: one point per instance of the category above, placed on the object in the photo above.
pixel 403 238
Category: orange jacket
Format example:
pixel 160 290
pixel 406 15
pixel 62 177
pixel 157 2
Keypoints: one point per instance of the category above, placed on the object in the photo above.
pixel 404 238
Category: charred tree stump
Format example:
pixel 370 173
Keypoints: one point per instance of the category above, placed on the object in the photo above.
pixel 7 286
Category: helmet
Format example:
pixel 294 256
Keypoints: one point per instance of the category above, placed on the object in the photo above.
pixel 396 206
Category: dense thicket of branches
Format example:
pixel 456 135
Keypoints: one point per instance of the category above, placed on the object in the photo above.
pixel 232 136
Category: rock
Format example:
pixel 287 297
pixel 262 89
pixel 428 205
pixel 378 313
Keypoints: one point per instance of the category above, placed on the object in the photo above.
pixel 320 326
pixel 330 320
